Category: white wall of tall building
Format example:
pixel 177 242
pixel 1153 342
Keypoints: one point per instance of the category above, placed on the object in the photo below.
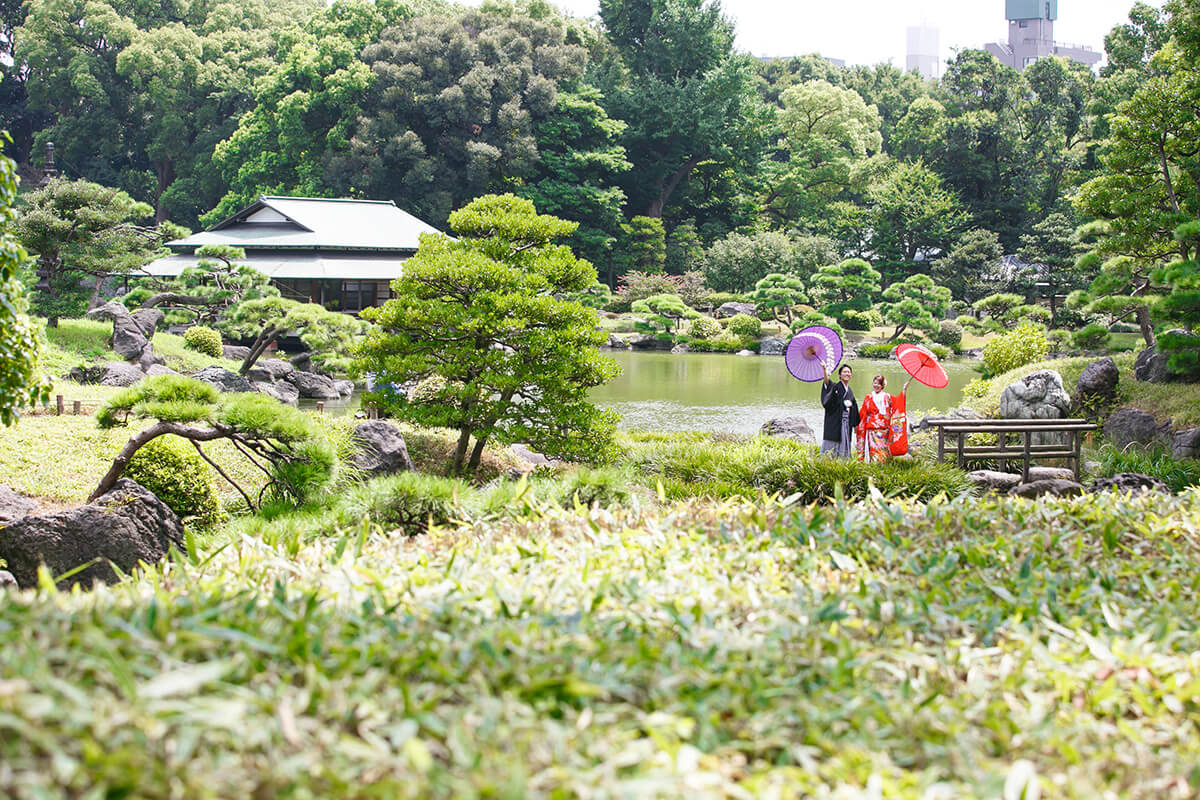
pixel 923 51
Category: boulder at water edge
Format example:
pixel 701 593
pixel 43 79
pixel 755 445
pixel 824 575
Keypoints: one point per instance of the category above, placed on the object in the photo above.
pixel 773 346
pixel 732 309
pixel 795 428
pixel 314 386
pixel 223 379
pixel 121 528
pixel 1130 482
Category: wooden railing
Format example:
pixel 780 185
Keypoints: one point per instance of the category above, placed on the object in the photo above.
pixel 1067 433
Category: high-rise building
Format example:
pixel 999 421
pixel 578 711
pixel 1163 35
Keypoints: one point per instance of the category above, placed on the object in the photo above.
pixel 1031 36
pixel 923 51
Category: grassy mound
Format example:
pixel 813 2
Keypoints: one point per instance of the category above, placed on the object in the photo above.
pixel 701 651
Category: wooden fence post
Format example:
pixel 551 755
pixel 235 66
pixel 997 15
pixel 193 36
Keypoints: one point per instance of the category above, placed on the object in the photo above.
pixel 60 404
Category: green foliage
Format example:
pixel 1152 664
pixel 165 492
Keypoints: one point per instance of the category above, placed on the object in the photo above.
pixel 482 311
pixel 911 213
pixel 171 468
pixel 851 285
pixel 82 232
pixel 643 245
pixel 1183 357
pixel 1157 462
pixel 20 381
pixel 816 318
pixel 965 270
pixel 737 262
pixel 703 327
pixel 949 333
pixel 875 349
pixel 1091 337
pixel 664 310
pixel 204 340
pixel 638 285
pixel 853 320
pixel 998 305
pixel 1025 344
pixel 169 398
pixel 329 335
pixel 744 326
pixel 408 501
pixel 1028 312
pixel 917 302
pixel 696 465
pixel 205 292
pixel 778 295
pixel 976 388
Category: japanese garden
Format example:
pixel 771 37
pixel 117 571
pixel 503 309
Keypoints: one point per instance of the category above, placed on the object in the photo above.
pixel 411 399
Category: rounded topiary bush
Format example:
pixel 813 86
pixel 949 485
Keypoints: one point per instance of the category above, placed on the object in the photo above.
pixel 1092 336
pixel 203 340
pixel 745 326
pixel 949 333
pixel 171 468
pixel 1023 345
pixel 704 328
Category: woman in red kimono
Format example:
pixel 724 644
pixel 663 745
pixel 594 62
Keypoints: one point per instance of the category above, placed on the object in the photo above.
pixel 877 436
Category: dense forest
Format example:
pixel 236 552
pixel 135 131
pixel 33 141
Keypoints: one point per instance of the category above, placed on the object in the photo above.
pixel 672 150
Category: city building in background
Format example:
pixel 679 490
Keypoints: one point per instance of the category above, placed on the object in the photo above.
pixel 922 52
pixel 1031 36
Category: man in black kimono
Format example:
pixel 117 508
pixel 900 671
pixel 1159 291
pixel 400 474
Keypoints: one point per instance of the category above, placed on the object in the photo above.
pixel 841 413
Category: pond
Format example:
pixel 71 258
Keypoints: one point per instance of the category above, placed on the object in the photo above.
pixel 737 394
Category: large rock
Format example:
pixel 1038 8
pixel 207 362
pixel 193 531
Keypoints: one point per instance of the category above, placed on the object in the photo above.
pixel 531 458
pixel 13 506
pixel 732 309
pixel 1039 395
pixel 795 428
pixel 1186 444
pixel 120 373
pixel 131 332
pixel 234 352
pixel 380 448
pixel 1097 385
pixel 1056 487
pixel 159 369
pixel 680 349
pixel 1130 483
pixel 126 526
pixel 314 386
pixel 773 346
pixel 991 480
pixel 648 341
pixel 344 388
pixel 1132 426
pixel 223 379
pixel 1051 473
pixel 1151 365
pixel 270 369
pixel 282 391
pixel 7 581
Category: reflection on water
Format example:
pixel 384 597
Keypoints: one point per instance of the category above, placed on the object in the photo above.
pixel 336 408
pixel 737 394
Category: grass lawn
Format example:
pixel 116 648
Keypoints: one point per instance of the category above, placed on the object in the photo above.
pixel 83 341
pixel 699 651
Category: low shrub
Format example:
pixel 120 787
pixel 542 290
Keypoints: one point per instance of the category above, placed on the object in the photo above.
pixel 744 326
pixel 203 340
pixel 875 350
pixel 976 388
pixel 704 328
pixel 407 501
pixel 949 334
pixel 725 342
pixel 1092 336
pixel 1157 462
pixel 853 320
pixel 603 487
pixel 1059 338
pixel 1023 345
pixel 817 318
pixel 697 465
pixel 171 468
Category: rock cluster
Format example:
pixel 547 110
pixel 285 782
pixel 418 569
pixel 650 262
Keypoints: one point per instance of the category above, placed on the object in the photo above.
pixel 795 428
pixel 121 529
pixel 732 309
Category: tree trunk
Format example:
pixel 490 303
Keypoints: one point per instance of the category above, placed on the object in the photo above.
pixel 476 454
pixel 899 330
pixel 1143 319
pixel 460 452
pixel 138 439
pixel 668 188
pixel 261 343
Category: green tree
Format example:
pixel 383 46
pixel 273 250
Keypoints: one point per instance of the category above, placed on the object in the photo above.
pixel 665 311
pixel 283 442
pixel 482 314
pixel 329 335
pixel 911 214
pixel 828 138
pixel 969 268
pixel 685 249
pixel 20 383
pixel 738 261
pixel 83 233
pixel 204 293
pixel 644 246
pixel 1049 248
pixel 998 306
pixel 917 302
pixel 851 284
pixel 140 93
pixel 686 97
pixel 1149 187
pixel 779 294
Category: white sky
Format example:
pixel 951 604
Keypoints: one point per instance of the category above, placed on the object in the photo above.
pixel 873 31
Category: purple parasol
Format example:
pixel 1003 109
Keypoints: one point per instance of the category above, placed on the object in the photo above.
pixel 812 352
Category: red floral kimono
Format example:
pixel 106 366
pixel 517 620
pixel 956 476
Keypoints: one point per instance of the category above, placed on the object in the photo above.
pixel 882 432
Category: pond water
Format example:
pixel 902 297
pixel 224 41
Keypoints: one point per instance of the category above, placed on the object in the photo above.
pixel 737 394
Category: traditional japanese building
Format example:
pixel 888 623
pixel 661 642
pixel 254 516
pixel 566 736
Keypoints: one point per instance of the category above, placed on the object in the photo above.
pixel 339 253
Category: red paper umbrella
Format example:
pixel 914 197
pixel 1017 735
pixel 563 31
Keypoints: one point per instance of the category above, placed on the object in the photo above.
pixel 922 365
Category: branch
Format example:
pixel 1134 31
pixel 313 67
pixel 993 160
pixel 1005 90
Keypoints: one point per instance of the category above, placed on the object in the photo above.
pixel 221 472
